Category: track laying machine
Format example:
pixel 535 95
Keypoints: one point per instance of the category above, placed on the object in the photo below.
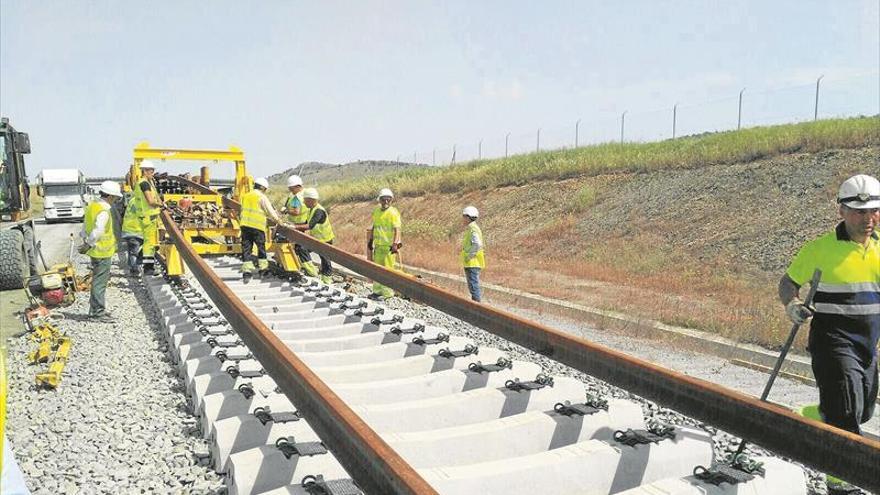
pixel 207 218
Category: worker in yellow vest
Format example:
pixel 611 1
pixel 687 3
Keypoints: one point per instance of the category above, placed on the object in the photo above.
pixel 383 239
pixel 140 223
pixel 298 214
pixel 99 243
pixel 318 225
pixel 473 257
pixel 256 210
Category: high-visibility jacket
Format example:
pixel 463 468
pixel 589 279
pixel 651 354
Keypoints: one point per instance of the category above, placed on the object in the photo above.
pixel 138 211
pixel 252 214
pixel 384 223
pixel 105 247
pixel 847 301
pixel 303 216
pixel 321 231
pixel 469 258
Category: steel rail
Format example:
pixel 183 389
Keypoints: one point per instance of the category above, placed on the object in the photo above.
pixel 373 464
pixel 823 447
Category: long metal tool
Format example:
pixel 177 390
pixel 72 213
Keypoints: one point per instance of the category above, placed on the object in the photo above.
pixel 821 446
pixel 814 286
pixel 365 455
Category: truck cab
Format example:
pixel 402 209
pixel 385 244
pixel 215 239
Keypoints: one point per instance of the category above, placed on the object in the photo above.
pixel 63 191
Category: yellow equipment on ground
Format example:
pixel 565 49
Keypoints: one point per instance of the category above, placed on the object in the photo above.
pixel 204 222
pixel 53 347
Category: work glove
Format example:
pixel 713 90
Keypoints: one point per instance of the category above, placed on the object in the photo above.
pixel 84 248
pixel 395 247
pixel 797 311
pixel 369 246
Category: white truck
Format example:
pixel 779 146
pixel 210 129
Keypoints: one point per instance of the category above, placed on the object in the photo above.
pixel 63 191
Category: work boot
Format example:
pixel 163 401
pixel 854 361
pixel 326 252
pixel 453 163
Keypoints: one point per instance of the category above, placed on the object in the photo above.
pixel 840 487
pixel 104 318
pixel 326 279
pixel 246 277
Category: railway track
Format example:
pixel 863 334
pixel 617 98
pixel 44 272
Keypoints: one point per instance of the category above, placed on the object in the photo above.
pixel 273 367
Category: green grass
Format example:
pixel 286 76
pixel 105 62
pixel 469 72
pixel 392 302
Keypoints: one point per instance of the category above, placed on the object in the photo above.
pixel 687 152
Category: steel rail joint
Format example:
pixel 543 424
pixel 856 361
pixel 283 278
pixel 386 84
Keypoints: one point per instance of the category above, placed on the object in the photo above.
pixel 823 447
pixel 831 450
pixel 365 455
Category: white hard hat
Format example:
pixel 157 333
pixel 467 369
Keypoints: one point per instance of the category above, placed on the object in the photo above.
pixel 310 193
pixel 470 211
pixel 386 192
pixel 262 182
pixel 294 180
pixel 110 188
pixel 860 192
pixel 148 164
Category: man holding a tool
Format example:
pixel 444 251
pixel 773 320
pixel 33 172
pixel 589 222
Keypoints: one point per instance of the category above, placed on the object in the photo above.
pixel 846 309
pixel 99 243
pixel 256 210
pixel 318 225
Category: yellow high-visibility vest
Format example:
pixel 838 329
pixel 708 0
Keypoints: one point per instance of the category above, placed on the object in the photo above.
pixel 252 214
pixel 105 247
pixel 384 223
pixel 322 231
pixel 304 215
pixel 479 259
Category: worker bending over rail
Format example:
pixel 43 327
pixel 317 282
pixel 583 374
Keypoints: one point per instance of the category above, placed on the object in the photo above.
pixel 140 223
pixel 256 210
pixel 298 214
pixel 473 257
pixel 319 227
pixel 846 309
pixel 99 243
pixel 383 239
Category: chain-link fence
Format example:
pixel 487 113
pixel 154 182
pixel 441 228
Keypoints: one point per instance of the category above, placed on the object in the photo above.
pixel 828 96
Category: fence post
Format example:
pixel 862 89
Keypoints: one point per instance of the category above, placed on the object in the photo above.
pixel 538 142
pixel 415 160
pixel 739 113
pixel 576 128
pixel 622 122
pixel 506 138
pixel 674 115
pixel 453 154
pixel 480 150
pixel 816 107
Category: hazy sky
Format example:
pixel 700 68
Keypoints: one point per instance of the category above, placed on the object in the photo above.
pixel 340 81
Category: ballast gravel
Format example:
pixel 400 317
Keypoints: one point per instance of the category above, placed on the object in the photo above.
pixel 117 423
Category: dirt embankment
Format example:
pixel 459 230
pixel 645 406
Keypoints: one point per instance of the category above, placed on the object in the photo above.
pixel 702 247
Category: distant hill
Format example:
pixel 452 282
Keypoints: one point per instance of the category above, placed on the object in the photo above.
pixel 318 173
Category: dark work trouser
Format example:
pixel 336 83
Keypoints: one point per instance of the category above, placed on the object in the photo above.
pixel 326 267
pixel 100 276
pixel 847 390
pixel 473 280
pixel 249 238
pixel 134 253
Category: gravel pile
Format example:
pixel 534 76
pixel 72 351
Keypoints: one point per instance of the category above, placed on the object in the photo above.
pixel 724 442
pixel 117 423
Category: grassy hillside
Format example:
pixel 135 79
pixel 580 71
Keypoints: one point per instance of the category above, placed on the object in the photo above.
pixel 320 174
pixel 689 152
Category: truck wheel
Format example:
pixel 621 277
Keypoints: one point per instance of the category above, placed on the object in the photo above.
pixel 14 267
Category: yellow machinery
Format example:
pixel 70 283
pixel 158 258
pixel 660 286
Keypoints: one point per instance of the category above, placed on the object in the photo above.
pixel 219 236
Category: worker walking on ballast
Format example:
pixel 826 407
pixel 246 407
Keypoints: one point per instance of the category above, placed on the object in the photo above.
pixel 319 227
pixel 383 239
pixel 256 210
pixel 846 310
pixel 473 257
pixel 298 214
pixel 99 243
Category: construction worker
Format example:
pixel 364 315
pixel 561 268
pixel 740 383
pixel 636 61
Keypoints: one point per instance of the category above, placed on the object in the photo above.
pixel 383 239
pixel 846 309
pixel 140 222
pixel 256 209
pixel 319 227
pixel 298 214
pixel 473 258
pixel 99 243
